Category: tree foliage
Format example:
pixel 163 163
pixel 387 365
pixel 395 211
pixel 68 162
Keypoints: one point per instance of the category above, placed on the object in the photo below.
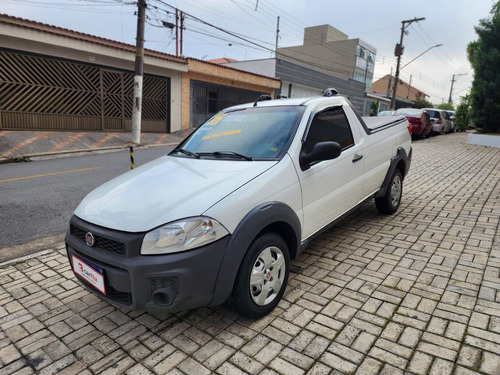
pixel 446 106
pixel 421 102
pixel 462 115
pixel 484 56
pixel 373 108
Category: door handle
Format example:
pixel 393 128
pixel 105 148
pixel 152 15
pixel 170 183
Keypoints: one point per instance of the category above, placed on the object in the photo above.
pixel 357 158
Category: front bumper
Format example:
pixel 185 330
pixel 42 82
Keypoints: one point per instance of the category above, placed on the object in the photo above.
pixel 170 282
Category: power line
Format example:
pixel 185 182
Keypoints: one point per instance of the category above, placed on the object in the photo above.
pixel 250 42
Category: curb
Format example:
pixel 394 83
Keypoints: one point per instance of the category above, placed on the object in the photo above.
pixel 26 257
pixel 13 253
pixel 27 157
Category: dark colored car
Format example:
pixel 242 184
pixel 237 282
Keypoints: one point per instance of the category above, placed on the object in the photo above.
pixel 421 125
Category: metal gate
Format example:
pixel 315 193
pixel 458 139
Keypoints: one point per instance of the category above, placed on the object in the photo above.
pixel 112 100
pixel 207 99
pixel 41 93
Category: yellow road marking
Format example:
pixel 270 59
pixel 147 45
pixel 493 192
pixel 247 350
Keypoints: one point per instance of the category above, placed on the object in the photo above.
pixel 49 174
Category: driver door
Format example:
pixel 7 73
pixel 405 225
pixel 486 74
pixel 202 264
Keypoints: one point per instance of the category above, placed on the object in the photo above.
pixel 331 187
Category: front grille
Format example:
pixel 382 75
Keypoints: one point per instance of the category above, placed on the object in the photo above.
pixel 125 298
pixel 100 242
pixel 121 297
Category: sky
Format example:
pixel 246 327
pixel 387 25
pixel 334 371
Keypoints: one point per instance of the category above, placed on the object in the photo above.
pixel 246 30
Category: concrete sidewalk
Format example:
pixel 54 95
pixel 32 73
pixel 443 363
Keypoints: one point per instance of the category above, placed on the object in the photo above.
pixel 22 145
pixel 413 293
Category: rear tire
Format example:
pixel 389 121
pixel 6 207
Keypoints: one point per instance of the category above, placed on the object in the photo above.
pixel 389 203
pixel 262 277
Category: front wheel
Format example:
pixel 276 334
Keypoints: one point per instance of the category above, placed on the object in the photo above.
pixel 262 277
pixel 389 203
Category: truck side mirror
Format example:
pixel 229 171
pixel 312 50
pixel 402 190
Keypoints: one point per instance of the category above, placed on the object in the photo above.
pixel 321 151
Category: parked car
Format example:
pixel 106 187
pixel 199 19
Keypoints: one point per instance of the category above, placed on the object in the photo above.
pixel 440 119
pixel 223 214
pixel 452 118
pixel 385 113
pixel 421 125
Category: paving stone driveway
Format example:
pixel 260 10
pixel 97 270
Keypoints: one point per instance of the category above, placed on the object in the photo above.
pixel 413 293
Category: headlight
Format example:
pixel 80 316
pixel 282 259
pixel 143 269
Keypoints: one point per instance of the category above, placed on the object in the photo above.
pixel 182 235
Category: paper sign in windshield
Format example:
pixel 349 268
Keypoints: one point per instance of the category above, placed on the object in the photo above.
pixel 223 134
pixel 216 119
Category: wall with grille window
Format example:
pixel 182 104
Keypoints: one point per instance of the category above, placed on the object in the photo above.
pixel 207 99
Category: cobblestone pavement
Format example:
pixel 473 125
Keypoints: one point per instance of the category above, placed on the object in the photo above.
pixel 413 293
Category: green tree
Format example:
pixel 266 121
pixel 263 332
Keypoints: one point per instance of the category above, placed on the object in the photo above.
pixel 484 56
pixel 462 115
pixel 422 103
pixel 373 108
pixel 446 106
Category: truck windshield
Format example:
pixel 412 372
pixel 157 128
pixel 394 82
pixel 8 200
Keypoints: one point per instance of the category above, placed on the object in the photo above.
pixel 248 134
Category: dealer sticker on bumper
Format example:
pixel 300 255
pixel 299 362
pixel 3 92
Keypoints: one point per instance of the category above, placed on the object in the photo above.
pixel 89 274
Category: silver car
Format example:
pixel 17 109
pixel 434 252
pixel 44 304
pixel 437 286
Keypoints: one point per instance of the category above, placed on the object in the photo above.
pixel 452 118
pixel 441 122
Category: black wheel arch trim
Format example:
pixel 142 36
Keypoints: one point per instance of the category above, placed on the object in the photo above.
pixel 401 156
pixel 271 216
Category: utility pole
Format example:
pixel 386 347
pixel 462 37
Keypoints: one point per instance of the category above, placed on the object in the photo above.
pixel 139 61
pixel 176 32
pixel 399 52
pixel 409 85
pixel 182 31
pixel 277 36
pixel 389 84
pixel 450 100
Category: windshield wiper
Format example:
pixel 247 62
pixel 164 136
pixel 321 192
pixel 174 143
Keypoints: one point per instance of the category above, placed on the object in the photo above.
pixel 229 153
pixel 186 152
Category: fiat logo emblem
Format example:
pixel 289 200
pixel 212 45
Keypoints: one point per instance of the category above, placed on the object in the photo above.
pixel 89 239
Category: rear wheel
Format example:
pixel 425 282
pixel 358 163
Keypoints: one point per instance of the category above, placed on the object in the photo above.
pixel 389 203
pixel 262 277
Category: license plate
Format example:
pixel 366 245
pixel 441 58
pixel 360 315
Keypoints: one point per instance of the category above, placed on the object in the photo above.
pixel 88 273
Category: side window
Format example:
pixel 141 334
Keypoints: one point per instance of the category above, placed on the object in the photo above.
pixel 329 125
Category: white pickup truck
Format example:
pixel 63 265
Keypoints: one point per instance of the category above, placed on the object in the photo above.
pixel 222 215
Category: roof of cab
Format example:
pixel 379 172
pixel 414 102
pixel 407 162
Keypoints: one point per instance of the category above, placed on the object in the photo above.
pixel 287 102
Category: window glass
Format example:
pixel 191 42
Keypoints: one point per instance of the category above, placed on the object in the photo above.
pixel 360 77
pixel 433 113
pixel 329 125
pixel 408 112
pixel 258 132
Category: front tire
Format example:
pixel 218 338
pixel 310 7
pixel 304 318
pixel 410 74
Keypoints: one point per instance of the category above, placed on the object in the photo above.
pixel 389 203
pixel 262 277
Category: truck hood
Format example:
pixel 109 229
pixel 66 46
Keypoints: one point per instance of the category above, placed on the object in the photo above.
pixel 165 190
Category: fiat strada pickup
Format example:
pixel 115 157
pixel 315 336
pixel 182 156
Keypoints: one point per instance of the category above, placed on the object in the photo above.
pixel 223 214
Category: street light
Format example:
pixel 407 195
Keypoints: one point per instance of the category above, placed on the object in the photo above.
pixel 427 50
pixel 395 87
